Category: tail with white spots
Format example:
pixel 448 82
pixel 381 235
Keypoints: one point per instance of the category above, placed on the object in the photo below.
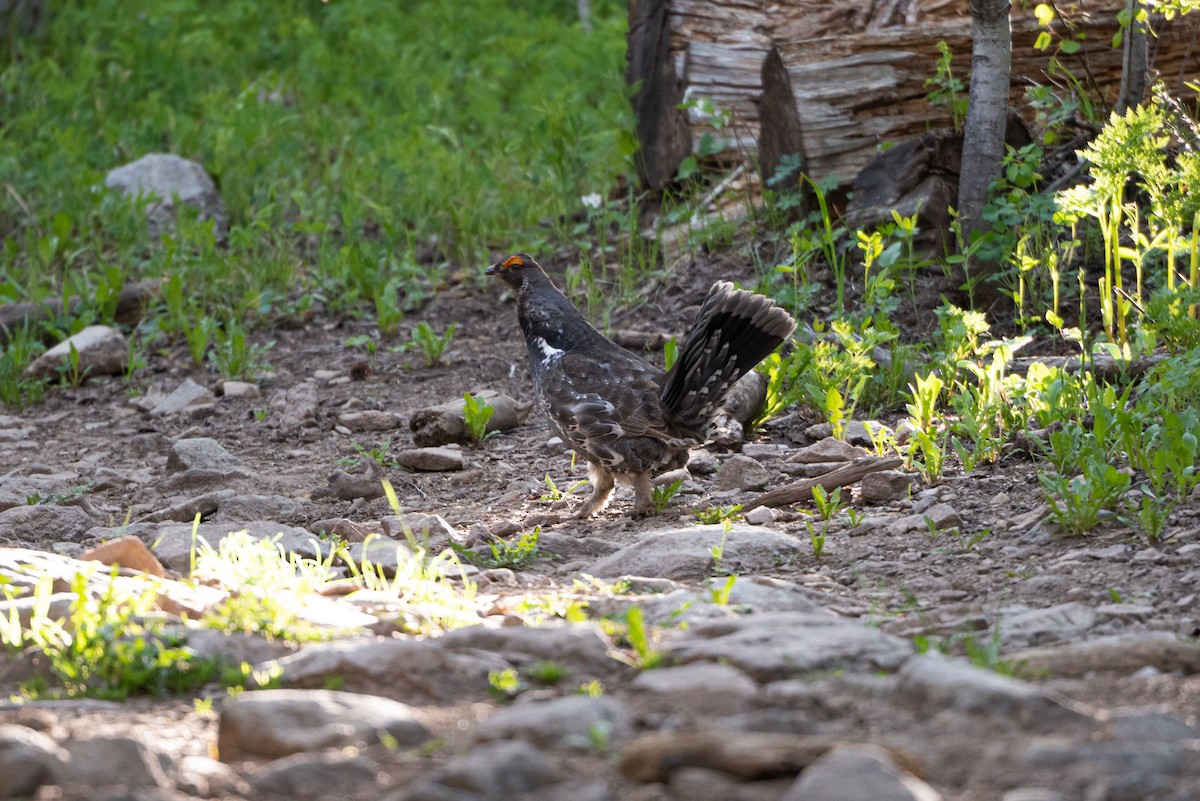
pixel 734 331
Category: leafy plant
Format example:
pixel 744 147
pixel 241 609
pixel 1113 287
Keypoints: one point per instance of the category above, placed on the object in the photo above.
pixel 553 493
pixel 719 593
pixel 107 647
pixel 504 685
pixel 430 344
pixel 234 356
pixel 664 493
pixel 718 514
pixel 817 538
pixel 827 503
pixel 517 555
pixel 946 90
pixel 477 412
pixel 638 638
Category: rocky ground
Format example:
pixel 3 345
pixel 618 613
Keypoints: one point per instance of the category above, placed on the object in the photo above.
pixel 805 683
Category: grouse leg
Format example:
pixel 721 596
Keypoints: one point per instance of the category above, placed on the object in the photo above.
pixel 643 495
pixel 602 487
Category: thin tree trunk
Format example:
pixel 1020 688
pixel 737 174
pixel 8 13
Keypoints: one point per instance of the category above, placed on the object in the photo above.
pixel 983 134
pixel 1134 60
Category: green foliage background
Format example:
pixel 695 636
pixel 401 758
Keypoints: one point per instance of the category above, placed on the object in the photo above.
pixel 341 134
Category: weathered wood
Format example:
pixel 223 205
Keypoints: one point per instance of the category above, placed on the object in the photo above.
pixel 855 93
pixel 131 305
pixel 856 70
pixel 662 127
pixel 799 491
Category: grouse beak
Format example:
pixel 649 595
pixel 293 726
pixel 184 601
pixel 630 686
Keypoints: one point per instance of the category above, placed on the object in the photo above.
pixel 495 268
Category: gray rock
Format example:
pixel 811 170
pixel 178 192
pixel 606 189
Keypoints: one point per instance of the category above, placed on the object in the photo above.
pixel 858 432
pixel 431 529
pixel 44 523
pixel 761 516
pixel 276 723
pixel 238 507
pixel 297 406
pixel 858 772
pixel 1024 626
pixel 19 490
pixel 318 776
pixel 771 720
pixel 1140 725
pixel 931 684
pixel 174 540
pixel 686 553
pixel 885 485
pixel 742 473
pixel 207 778
pixel 1033 794
pixel 779 645
pixel 102 351
pixel 409 670
pixel 370 420
pixel 188 394
pixel 571 722
pixel 200 453
pixel 705 784
pixel 239 389
pixel 825 451
pixel 434 460
pixel 28 758
pixel 578 646
pixel 235 647
pixel 167 177
pixel 496 772
pixel 97 761
pixel 942 516
pixel 713 689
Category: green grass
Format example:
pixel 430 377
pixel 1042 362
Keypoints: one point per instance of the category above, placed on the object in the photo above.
pixel 354 143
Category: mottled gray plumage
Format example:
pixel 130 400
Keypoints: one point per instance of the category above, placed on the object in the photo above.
pixel 626 417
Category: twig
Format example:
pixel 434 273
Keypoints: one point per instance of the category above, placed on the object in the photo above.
pixel 847 474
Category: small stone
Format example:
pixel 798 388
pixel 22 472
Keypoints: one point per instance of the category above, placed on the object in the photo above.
pixel 1033 794
pixel 568 721
pixel 1000 500
pixel 761 516
pixel 188 394
pixel 297 406
pixel 431 528
pixel 762 450
pixel 742 473
pixel 701 462
pixel 318 776
pixel 128 552
pixel 494 772
pixel 239 507
pixel 827 450
pixel 101 350
pixel 276 723
pixel 714 688
pixel 369 420
pixel 858 432
pixel 437 459
pixel 240 389
pixel 199 453
pixel 858 772
pixel 885 485
pixel 207 778
pixel 941 515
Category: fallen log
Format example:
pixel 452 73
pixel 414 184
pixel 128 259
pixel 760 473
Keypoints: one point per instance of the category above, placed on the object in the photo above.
pixel 131 306
pixel 848 95
pixel 851 472
pixel 836 67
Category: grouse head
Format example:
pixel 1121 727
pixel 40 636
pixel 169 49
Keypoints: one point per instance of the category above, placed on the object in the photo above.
pixel 516 270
